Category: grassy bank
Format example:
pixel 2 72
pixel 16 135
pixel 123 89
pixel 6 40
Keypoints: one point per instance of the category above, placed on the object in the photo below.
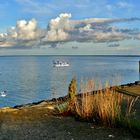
pixel 104 107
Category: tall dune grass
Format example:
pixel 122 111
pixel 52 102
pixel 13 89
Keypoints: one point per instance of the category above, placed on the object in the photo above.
pixel 106 107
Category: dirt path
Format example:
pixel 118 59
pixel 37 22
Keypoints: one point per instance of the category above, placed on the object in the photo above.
pixel 59 128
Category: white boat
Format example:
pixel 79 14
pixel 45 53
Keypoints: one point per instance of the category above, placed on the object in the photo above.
pixel 3 93
pixel 61 64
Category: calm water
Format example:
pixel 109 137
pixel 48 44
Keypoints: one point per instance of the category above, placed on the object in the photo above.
pixel 32 78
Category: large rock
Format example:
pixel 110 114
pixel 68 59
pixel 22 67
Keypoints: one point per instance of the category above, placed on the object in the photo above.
pixel 137 82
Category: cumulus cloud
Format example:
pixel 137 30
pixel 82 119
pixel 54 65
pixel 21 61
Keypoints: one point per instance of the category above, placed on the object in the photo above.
pixel 24 30
pixel 86 28
pixel 58 28
pixel 62 29
pixel 25 33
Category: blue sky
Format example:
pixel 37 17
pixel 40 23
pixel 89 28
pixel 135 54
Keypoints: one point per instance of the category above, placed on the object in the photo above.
pixel 34 31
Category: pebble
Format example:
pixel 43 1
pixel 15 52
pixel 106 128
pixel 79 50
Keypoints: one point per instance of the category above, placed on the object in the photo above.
pixel 111 136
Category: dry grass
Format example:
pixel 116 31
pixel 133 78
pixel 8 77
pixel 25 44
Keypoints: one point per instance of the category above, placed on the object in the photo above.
pixel 105 107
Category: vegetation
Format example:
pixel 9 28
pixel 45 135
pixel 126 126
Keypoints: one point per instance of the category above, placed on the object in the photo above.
pixel 105 107
pixel 72 91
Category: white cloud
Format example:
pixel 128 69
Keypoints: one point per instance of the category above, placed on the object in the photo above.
pixel 26 33
pixel 26 30
pixel 58 27
pixel 86 28
pixel 101 36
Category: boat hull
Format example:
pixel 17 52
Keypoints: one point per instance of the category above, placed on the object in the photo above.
pixel 58 65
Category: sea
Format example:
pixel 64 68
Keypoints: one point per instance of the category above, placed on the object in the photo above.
pixel 28 79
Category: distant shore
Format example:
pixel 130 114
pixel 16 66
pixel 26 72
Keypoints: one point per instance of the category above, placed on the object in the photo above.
pixel 30 55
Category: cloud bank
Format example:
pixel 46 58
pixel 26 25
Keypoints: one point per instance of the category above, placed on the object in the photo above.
pixel 26 33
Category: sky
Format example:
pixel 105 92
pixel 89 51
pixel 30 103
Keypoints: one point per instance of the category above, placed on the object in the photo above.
pixel 69 27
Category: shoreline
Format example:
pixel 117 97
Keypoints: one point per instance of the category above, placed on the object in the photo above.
pixel 129 89
pixel 41 120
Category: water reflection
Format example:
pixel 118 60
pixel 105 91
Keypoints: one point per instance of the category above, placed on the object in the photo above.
pixel 29 79
pixel 59 81
pixel 28 75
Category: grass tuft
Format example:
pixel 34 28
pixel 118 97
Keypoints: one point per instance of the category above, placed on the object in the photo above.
pixel 105 107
